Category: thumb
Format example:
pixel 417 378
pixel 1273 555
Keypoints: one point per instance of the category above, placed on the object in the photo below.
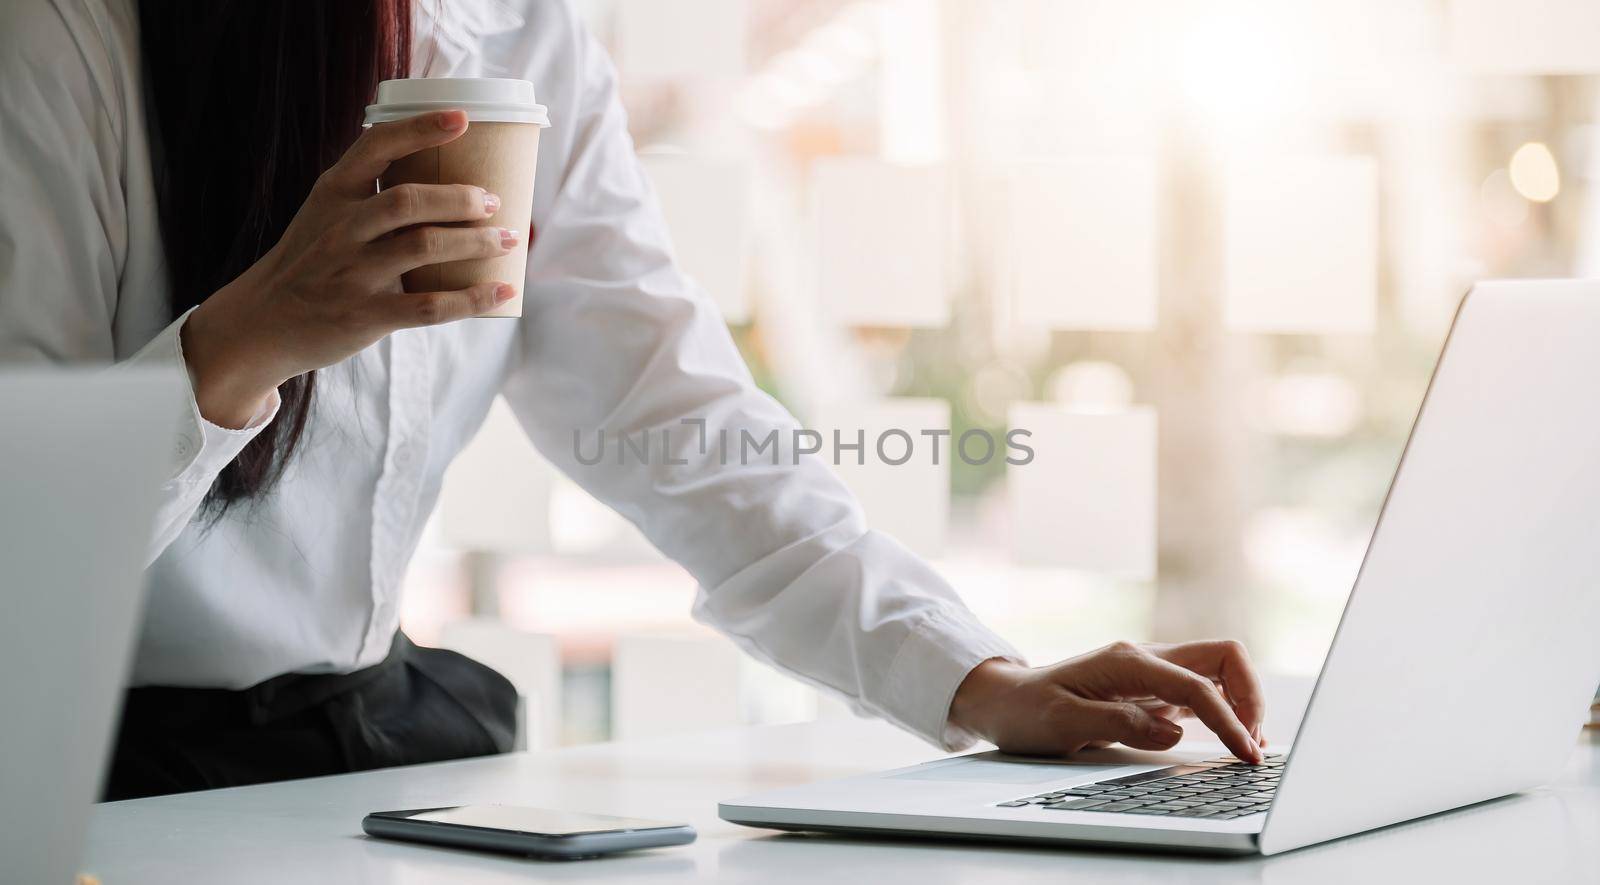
pixel 1129 724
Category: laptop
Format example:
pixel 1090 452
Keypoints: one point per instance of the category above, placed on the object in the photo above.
pixel 1461 671
pixel 82 454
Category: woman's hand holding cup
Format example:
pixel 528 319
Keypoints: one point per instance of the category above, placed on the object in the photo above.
pixel 331 286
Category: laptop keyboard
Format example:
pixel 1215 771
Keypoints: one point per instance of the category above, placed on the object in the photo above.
pixel 1216 789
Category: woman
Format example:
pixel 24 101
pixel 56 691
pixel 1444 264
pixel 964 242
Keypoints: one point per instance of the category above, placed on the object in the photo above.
pixel 187 184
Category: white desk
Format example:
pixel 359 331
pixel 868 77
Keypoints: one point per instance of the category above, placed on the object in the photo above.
pixel 310 831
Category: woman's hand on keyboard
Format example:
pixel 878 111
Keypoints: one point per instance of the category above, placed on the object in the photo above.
pixel 1122 693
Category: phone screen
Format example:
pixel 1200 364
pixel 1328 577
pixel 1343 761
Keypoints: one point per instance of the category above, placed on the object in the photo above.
pixel 535 821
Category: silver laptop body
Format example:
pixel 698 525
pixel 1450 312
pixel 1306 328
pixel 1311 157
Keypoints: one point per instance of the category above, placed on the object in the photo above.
pixel 1473 630
pixel 81 457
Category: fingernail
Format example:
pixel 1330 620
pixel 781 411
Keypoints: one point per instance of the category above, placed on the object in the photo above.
pixel 508 237
pixel 450 122
pixel 503 293
pixel 1162 730
pixel 491 203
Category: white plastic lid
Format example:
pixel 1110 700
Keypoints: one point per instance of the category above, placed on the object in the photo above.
pixel 485 100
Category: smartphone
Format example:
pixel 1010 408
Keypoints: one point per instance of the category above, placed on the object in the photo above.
pixel 527 831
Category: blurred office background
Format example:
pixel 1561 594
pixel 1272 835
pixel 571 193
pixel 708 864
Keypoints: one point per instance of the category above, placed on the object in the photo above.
pixel 1204 252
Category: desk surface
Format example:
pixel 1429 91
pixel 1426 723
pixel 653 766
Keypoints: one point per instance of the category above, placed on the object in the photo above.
pixel 309 831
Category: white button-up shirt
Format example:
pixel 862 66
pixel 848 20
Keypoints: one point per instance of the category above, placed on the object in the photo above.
pixel 614 338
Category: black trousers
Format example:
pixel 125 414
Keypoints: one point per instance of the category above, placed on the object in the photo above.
pixel 418 705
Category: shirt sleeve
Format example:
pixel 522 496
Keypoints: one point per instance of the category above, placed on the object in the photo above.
pixel 619 343
pixel 200 449
pixel 63 239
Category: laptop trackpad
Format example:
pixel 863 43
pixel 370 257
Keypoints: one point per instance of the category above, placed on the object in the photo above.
pixel 991 770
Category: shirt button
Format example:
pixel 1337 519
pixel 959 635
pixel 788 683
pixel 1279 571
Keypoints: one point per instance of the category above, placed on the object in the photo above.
pixel 402 455
pixel 183 447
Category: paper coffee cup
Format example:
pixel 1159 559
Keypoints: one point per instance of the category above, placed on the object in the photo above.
pixel 498 153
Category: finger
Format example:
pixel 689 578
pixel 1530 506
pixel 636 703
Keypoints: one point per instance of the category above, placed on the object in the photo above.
pixel 1226 661
pixel 405 205
pixel 1126 723
pixel 1183 687
pixel 422 246
pixel 384 143
pixel 1165 710
pixel 414 309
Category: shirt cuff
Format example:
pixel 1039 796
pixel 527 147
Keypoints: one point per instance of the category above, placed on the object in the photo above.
pixel 932 663
pixel 200 449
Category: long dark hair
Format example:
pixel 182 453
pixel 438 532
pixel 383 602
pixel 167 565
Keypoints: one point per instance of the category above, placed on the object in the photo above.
pixel 248 102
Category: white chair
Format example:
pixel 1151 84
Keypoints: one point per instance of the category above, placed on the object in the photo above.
pixel 670 684
pixel 531 661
